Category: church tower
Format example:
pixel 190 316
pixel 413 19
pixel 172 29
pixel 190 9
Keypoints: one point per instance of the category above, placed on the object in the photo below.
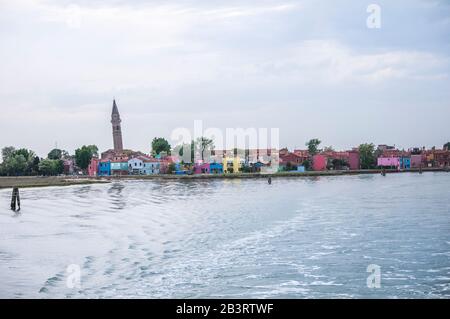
pixel 117 131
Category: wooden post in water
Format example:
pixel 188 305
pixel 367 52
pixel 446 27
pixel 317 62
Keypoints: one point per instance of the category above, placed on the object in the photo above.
pixel 269 180
pixel 383 172
pixel 15 200
pixel 420 169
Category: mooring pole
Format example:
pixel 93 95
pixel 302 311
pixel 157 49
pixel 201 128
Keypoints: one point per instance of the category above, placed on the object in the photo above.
pixel 15 200
pixel 269 180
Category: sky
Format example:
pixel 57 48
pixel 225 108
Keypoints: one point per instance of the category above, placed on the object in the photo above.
pixel 312 68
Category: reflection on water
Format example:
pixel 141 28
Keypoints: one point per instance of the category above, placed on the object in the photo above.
pixel 296 238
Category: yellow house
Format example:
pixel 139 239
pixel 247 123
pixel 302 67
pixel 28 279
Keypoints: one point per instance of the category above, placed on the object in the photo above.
pixel 231 164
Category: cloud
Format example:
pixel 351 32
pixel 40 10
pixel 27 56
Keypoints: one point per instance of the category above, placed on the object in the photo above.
pixel 228 62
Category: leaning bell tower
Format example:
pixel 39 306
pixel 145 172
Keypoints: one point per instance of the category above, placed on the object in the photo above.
pixel 117 130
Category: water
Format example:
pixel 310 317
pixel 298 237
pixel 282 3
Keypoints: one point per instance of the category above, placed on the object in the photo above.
pixel 296 238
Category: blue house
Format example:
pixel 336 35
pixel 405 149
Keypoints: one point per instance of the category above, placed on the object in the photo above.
pixel 405 162
pixel 216 168
pixel 180 170
pixel 104 168
pixel 301 168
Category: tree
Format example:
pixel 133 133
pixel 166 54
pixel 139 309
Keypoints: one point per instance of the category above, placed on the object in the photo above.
pixel 49 167
pixel 328 149
pixel 17 162
pixel 171 168
pixel 179 149
pixel 204 144
pixel 307 164
pixel 313 146
pixel 159 145
pixel 338 164
pixel 93 149
pixel 55 154
pixel 46 167
pixel 7 152
pixel 447 146
pixel 84 155
pixel 35 165
pixel 367 156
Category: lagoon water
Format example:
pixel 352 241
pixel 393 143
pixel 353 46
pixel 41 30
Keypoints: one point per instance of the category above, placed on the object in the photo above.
pixel 296 238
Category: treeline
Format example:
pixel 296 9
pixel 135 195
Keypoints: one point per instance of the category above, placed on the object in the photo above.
pixel 24 162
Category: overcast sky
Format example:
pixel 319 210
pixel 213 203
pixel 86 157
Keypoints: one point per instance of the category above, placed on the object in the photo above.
pixel 311 68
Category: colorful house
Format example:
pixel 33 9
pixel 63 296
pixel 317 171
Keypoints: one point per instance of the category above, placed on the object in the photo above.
pixel 416 161
pixel 104 168
pixel 69 167
pixel 135 165
pixel 150 167
pixel 353 160
pixel 289 161
pixel 442 158
pixel 216 168
pixel 202 168
pixel 231 164
pixel 405 162
pixel 393 162
pixel 93 167
pixel 319 162
pixel 119 167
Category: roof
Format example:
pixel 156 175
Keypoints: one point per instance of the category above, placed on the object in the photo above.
pixel 115 110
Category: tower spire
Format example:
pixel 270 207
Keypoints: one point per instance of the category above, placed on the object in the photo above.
pixel 116 127
pixel 115 110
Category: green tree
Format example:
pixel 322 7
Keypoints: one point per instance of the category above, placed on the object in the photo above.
pixel 171 168
pixel 93 149
pixel 159 145
pixel 49 167
pixel 55 154
pixel 204 144
pixel 84 155
pixel 367 156
pixel 446 146
pixel 35 165
pixel 17 162
pixel 313 146
pixel 307 164
pixel 7 152
pixel 179 149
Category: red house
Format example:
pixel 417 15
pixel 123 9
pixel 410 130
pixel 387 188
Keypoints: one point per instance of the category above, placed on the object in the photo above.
pixel 319 162
pixel 353 160
pixel 93 167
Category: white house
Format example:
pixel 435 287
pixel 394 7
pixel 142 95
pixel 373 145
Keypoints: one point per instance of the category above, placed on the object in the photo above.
pixel 135 165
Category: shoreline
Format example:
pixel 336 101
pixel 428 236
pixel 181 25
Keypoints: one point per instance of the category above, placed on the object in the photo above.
pixel 39 181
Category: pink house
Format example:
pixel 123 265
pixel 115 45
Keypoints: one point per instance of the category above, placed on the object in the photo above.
pixel 319 163
pixel 353 160
pixel 388 162
pixel 416 161
pixel 93 167
pixel 202 168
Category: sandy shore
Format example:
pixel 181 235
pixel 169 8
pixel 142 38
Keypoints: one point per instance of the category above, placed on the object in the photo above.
pixel 39 181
